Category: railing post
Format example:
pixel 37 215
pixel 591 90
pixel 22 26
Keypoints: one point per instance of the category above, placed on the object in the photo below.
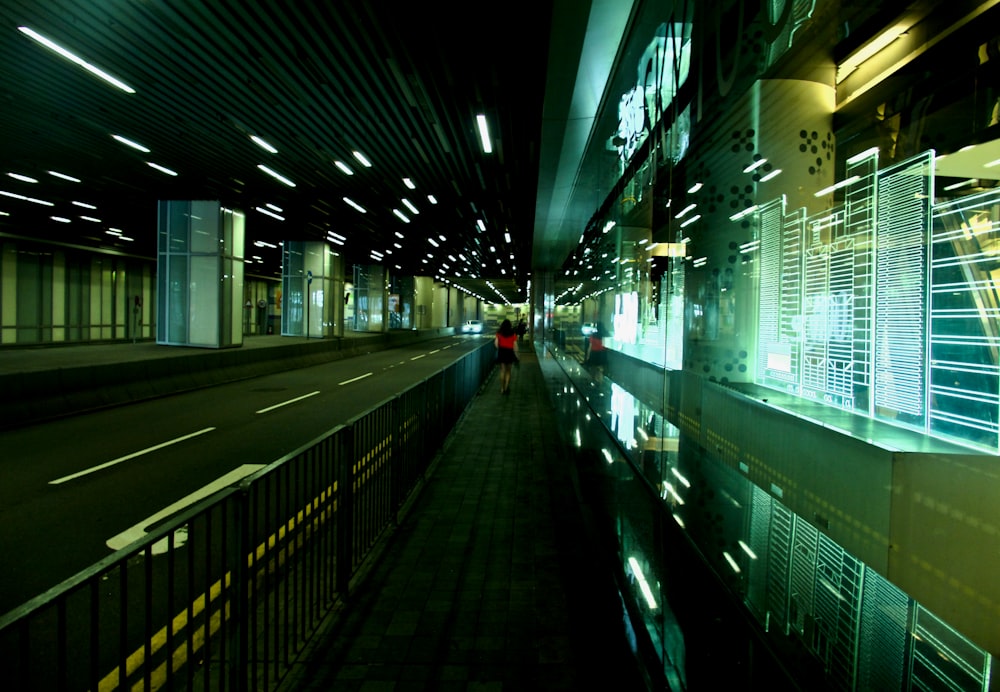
pixel 396 458
pixel 239 635
pixel 345 510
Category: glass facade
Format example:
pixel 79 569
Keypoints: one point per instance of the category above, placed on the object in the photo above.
pixel 200 274
pixel 795 266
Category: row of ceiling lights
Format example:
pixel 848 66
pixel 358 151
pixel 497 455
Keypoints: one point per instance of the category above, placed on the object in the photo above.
pixel 269 209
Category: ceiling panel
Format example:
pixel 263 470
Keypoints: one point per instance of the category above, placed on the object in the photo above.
pixel 401 82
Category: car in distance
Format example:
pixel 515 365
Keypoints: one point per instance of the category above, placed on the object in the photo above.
pixel 472 327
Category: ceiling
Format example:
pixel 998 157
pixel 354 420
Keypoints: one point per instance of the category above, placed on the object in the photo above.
pixel 400 82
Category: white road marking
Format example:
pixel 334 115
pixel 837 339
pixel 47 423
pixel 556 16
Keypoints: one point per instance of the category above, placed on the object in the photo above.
pixel 286 403
pixel 369 374
pixel 435 350
pixel 133 455
pixel 418 357
pixel 131 535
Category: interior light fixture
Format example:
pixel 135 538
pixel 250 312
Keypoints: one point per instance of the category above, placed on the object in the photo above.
pixel 955 186
pixel 837 186
pixel 862 155
pixel 270 213
pixel 409 183
pixel 694 188
pixel 263 145
pixel 484 133
pixel 130 143
pixel 432 199
pixel 162 169
pixel 65 177
pixel 90 218
pixel 409 205
pixel 26 199
pixel 755 165
pixel 61 219
pixel 506 236
pixel 350 202
pixel 868 50
pixel 433 242
pixel 691 220
pixel 277 176
pixel 685 210
pixel 53 46
pixel 401 215
pixel 773 174
pixel 361 158
pixel 740 214
pixel 23 178
pixel 83 204
pixel 273 207
pixel 481 224
pixel 344 167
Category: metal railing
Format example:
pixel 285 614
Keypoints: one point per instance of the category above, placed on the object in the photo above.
pixel 224 595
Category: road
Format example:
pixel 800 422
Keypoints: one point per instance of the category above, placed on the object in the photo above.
pixel 75 488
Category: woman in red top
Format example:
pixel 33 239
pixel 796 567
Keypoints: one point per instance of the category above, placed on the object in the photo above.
pixel 506 343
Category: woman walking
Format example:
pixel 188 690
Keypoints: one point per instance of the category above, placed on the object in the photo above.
pixel 506 343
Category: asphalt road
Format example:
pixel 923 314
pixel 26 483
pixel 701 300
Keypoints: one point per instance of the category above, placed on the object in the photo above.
pixel 71 486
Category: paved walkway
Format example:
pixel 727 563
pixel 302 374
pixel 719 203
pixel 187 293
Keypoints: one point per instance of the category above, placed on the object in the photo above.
pixel 489 583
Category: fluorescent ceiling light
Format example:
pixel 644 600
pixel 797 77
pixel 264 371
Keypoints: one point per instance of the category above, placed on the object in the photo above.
pixel 484 133
pixel 275 175
pixel 481 224
pixel 773 174
pixel 837 186
pixel 955 186
pixel 691 220
pixel 361 158
pixel 53 46
pixel 270 213
pixel 506 236
pixel 410 206
pixel 862 155
pixel 409 183
pixel 755 165
pixel 344 167
pixel 90 218
pixel 432 199
pixel 84 205
pixel 65 177
pixel 399 235
pixel 433 242
pixel 24 178
pixel 740 214
pixel 160 168
pixel 26 199
pixel 694 188
pixel 401 215
pixel 262 144
pixel 685 210
pixel 61 219
pixel 868 50
pixel 130 143
pixel 354 204
pixel 273 207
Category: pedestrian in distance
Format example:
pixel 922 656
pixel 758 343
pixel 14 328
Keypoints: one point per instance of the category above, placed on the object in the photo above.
pixel 597 355
pixel 522 329
pixel 506 345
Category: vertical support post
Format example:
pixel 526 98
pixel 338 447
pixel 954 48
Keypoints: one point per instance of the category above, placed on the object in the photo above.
pixel 239 635
pixel 345 511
